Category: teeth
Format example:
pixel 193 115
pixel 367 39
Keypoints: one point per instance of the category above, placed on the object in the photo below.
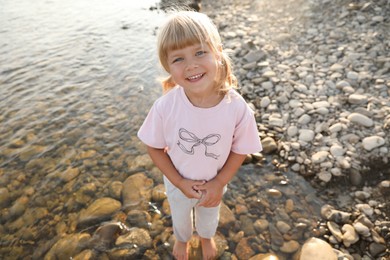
pixel 195 77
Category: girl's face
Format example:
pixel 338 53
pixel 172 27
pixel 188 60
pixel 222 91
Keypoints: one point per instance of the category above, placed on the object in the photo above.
pixel 194 68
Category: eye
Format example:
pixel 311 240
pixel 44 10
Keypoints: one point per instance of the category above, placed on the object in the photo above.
pixel 177 60
pixel 200 53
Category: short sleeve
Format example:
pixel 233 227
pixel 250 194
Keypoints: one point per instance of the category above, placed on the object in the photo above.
pixel 246 138
pixel 151 132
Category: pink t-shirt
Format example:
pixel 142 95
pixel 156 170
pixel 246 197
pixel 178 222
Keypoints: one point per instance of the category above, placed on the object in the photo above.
pixel 199 140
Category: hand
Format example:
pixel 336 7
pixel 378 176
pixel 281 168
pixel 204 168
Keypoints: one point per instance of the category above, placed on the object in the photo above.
pixel 188 188
pixel 212 193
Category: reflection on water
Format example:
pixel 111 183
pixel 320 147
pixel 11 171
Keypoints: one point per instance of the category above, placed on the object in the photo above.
pixel 70 66
pixel 76 81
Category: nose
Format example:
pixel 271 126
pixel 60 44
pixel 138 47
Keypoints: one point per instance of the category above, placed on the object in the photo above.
pixel 191 64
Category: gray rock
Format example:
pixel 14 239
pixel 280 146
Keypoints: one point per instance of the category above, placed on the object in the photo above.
pixel 360 119
pixel 372 142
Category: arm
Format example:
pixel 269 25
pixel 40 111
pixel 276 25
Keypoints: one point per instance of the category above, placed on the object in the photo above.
pixel 214 188
pixel 161 159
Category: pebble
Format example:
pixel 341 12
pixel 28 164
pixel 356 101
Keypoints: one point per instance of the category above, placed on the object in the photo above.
pixel 4 197
pixel 319 157
pixel 100 210
pixel 360 119
pixel 315 248
pixel 306 135
pixel 372 142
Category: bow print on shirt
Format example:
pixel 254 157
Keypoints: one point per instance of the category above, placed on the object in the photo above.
pixel 189 137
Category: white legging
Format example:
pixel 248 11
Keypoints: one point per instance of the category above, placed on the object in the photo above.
pixel 206 219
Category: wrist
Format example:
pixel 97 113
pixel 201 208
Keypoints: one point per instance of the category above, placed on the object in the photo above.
pixel 219 182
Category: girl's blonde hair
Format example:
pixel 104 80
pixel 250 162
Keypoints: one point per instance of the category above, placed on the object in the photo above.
pixel 186 28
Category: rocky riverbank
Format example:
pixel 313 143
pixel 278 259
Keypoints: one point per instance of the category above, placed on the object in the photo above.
pixel 317 75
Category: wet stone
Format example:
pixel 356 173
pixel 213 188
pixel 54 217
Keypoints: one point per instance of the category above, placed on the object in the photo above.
pixel 137 191
pixel 100 210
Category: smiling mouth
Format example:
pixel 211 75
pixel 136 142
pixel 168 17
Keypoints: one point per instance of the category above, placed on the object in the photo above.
pixel 195 77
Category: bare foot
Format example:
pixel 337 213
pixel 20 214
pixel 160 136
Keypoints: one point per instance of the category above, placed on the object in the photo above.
pixel 209 249
pixel 180 250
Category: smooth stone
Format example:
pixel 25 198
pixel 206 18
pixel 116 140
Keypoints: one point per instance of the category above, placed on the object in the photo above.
pixel 365 209
pixel 361 229
pixel 227 217
pixel 254 56
pixel 335 230
pixel 68 246
pixel 384 187
pixel 136 236
pixel 274 121
pixel 100 210
pixel 372 142
pixel 5 197
pixel 306 135
pixel 337 150
pixel 19 207
pixel 137 192
pixel 65 176
pixel 158 193
pixel 269 74
pixel 105 236
pixel 330 213
pixel 265 101
pixel 247 225
pixel 315 248
pixel 336 127
pixel 319 157
pixel 325 176
pixel 350 236
pixel 355 178
pixel 283 227
pixel 261 225
pixel 294 103
pixel 357 99
pixel 290 247
pixel 336 67
pixel 84 255
pixel 304 119
pixel 115 189
pixel 244 249
pixel 352 75
pixel 269 145
pixel 322 111
pixel 321 104
pixel 292 131
pixel 139 218
pixel 376 249
pixel 268 256
pixel 276 237
pixel 360 119
pixel 274 193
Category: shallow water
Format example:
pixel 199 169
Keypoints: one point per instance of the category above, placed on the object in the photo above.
pixel 73 67
pixel 76 81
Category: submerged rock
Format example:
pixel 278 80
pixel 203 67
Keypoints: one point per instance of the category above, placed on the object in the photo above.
pixel 99 211
pixel 318 249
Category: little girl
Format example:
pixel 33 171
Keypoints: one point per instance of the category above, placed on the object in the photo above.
pixel 199 132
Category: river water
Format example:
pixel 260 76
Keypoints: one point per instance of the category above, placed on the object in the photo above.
pixel 73 65
pixel 77 77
